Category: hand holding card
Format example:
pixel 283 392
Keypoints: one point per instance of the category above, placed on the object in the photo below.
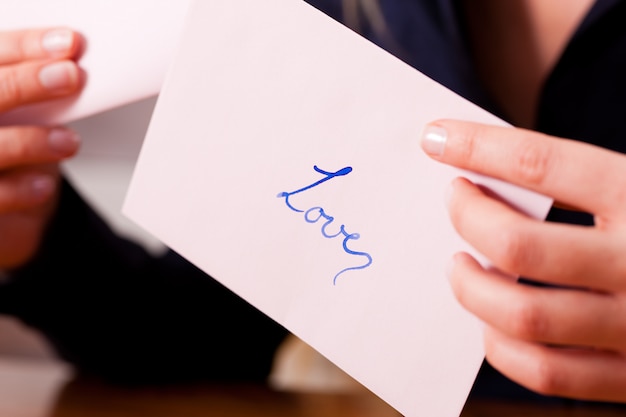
pixel 129 46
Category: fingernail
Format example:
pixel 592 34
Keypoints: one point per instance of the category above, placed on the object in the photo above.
pixel 434 140
pixel 57 40
pixel 63 141
pixel 41 186
pixel 59 75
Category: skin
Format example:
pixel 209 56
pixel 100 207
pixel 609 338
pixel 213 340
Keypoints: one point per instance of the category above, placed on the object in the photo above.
pixel 568 342
pixel 29 155
pixel 515 44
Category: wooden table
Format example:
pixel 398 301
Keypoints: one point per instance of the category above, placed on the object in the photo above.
pixel 87 398
pixel 83 398
pixel 34 389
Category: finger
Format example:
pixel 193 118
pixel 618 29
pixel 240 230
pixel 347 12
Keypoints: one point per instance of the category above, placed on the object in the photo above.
pixel 538 314
pixel 38 44
pixel 572 373
pixel 37 81
pixel 574 173
pixel 28 145
pixel 26 189
pixel 568 255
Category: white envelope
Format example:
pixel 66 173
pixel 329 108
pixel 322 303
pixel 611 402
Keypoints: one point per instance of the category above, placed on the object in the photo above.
pixel 130 44
pixel 283 159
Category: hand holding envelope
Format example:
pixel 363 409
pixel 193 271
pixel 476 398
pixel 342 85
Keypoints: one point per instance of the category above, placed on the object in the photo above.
pixel 129 46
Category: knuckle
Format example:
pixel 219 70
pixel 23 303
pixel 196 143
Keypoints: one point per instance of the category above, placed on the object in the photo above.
pixel 467 143
pixel 531 162
pixel 515 250
pixel 14 150
pixel 549 379
pixel 21 46
pixel 10 91
pixel 528 321
pixel 21 145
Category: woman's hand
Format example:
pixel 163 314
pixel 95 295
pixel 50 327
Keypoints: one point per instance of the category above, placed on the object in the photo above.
pixel 35 65
pixel 560 341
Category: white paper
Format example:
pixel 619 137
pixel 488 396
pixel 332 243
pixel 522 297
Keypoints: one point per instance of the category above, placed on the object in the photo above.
pixel 259 95
pixel 130 44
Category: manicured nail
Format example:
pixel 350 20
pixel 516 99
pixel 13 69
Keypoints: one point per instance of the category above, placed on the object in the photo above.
pixel 59 75
pixel 434 140
pixel 57 40
pixel 41 186
pixel 63 141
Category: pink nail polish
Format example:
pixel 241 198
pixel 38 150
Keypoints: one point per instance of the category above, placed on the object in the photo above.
pixel 57 40
pixel 59 75
pixel 63 141
pixel 434 140
pixel 41 186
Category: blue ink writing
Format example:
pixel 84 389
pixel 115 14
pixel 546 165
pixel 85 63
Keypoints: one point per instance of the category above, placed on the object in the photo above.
pixel 315 214
pixel 329 175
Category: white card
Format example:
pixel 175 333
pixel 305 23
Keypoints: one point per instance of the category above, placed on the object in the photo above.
pixel 129 49
pixel 283 159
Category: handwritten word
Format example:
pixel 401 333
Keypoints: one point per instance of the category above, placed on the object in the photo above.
pixel 315 214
